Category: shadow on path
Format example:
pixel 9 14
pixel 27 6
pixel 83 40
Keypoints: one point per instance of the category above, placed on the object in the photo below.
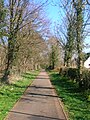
pixel 39 116
pixel 37 94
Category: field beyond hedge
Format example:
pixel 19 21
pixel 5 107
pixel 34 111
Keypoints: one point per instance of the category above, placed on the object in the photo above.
pixel 76 104
pixel 9 94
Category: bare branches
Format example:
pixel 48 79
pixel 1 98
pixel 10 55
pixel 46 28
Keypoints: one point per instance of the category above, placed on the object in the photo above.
pixel 23 15
pixel 88 2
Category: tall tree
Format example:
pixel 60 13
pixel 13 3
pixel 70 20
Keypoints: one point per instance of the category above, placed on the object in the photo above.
pixel 66 35
pixel 78 5
pixel 70 46
pixel 75 27
pixel 16 9
pixel 20 14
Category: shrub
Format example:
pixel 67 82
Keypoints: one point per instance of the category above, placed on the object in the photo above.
pixel 85 79
pixel 72 73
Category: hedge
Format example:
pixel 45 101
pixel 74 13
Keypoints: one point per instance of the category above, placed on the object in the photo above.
pixel 72 73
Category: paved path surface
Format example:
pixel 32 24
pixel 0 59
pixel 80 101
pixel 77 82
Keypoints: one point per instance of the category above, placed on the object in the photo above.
pixel 39 102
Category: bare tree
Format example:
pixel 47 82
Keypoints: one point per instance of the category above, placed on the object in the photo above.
pixel 19 13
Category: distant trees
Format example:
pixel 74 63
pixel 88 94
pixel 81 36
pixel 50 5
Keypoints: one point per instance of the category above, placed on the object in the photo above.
pixel 54 52
pixel 53 57
pixel 30 51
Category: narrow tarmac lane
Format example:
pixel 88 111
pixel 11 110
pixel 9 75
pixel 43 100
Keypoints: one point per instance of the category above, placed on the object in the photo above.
pixel 39 102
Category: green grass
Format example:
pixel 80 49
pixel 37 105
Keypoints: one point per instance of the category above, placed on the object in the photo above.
pixel 75 101
pixel 9 94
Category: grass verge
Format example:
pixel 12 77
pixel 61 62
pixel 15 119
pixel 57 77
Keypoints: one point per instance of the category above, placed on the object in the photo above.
pixel 75 102
pixel 9 94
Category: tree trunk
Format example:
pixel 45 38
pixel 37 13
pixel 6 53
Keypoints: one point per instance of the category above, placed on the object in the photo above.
pixel 9 62
pixel 79 38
